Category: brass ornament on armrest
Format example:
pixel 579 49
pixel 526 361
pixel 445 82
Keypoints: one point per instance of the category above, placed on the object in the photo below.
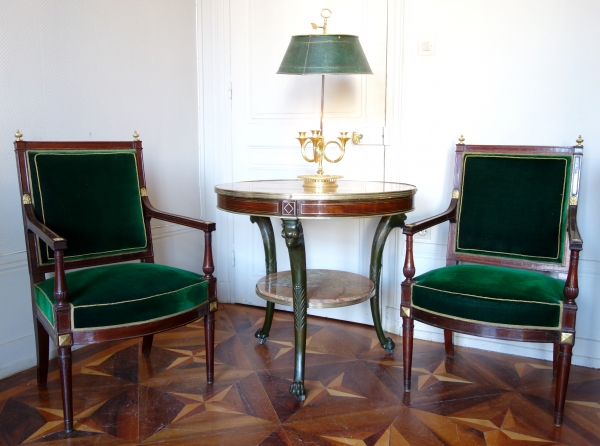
pixel 27 199
pixel 455 194
pixel 566 338
pixel 65 340
pixel 143 192
pixel 573 201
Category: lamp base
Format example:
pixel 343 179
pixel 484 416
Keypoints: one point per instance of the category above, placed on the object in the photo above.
pixel 320 183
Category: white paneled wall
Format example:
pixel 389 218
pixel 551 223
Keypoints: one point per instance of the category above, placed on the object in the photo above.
pixel 503 72
pixel 74 70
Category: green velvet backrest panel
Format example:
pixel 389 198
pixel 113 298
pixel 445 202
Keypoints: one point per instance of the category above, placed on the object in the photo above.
pixel 514 206
pixel 90 198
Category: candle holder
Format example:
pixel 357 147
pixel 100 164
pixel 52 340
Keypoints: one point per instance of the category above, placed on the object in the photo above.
pixel 320 181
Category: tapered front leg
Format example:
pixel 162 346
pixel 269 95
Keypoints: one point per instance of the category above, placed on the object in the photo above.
pixel 562 381
pixel 386 224
pixel 64 364
pixel 268 238
pixel 43 339
pixel 209 343
pixel 294 240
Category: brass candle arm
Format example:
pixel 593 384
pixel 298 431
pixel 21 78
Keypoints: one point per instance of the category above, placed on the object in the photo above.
pixel 320 181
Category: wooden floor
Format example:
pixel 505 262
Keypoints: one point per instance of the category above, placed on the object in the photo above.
pixel 355 394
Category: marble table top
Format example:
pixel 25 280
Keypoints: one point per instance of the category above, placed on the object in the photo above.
pixel 325 288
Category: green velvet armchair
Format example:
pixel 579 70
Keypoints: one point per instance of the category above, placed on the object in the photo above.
pixel 85 205
pixel 513 216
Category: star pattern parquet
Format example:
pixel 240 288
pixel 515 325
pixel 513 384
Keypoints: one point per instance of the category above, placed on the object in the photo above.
pixel 354 395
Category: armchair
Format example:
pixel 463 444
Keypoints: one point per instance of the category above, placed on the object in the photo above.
pixel 85 205
pixel 513 216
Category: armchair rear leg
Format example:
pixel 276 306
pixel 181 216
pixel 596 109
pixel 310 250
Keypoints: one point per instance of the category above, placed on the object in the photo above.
pixel 555 359
pixel 42 339
pixel 449 343
pixel 209 342
pixel 562 381
pixel 147 345
pixel 64 364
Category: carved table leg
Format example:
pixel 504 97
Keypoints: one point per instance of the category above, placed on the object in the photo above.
pixel 386 224
pixel 268 237
pixel 294 240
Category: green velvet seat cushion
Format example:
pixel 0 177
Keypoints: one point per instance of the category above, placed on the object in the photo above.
pixel 514 206
pixel 125 294
pixel 90 198
pixel 491 295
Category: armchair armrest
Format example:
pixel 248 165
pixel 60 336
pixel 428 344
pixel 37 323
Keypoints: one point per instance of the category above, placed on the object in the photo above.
pixel 448 214
pixel 48 236
pixel 208 266
pixel 151 211
pixel 575 241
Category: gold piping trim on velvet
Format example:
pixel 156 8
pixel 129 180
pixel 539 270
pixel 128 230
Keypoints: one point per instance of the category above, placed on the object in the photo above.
pixel 119 325
pixel 52 305
pixel 488 298
pixel 491 324
pixel 133 323
pixel 93 254
pixel 478 155
pixel 46 317
pixel 140 299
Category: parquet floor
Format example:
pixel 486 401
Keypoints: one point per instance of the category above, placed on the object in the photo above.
pixel 355 395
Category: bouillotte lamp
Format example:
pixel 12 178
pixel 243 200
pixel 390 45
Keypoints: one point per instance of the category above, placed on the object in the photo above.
pixel 323 54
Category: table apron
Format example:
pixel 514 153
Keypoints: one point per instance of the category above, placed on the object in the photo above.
pixel 316 208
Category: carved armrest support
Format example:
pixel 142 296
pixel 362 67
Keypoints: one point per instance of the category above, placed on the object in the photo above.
pixel 47 235
pixel 575 241
pixel 448 214
pixel 208 266
pixel 409 262
pixel 571 290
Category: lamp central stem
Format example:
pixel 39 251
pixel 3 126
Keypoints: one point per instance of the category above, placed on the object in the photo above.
pixel 322 100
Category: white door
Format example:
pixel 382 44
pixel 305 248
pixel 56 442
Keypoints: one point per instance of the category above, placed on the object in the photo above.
pixel 269 109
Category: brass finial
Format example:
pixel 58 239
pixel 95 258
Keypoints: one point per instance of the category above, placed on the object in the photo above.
pixel 578 140
pixel 136 136
pixel 461 140
pixel 18 136
pixel 325 16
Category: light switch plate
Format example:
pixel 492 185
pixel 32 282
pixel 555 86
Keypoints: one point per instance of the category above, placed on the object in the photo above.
pixel 426 47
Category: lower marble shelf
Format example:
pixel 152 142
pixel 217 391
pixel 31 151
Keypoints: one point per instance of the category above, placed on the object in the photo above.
pixel 325 288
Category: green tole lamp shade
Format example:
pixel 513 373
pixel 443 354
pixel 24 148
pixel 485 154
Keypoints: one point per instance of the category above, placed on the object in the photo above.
pixel 325 54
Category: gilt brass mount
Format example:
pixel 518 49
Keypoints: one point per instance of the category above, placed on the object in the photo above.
pixel 320 181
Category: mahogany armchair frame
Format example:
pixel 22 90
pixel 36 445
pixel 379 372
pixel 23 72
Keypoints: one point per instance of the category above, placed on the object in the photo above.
pixel 62 334
pixel 563 339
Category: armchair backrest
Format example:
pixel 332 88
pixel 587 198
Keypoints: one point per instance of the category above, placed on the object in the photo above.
pixel 89 194
pixel 513 204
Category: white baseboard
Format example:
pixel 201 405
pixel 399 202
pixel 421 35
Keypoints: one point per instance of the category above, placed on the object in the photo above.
pixel 19 354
